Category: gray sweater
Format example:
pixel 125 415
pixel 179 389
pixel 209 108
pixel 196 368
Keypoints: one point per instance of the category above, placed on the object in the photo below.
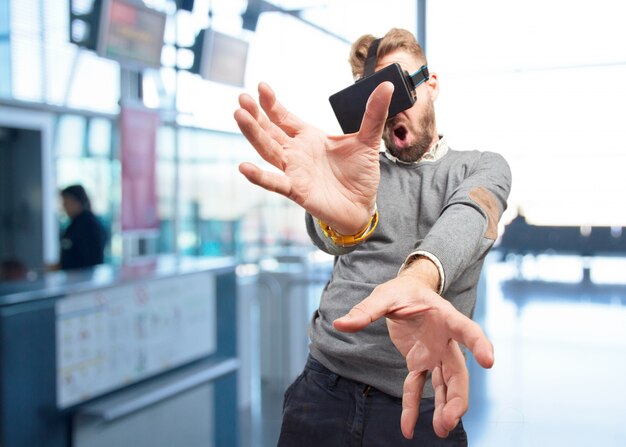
pixel 448 208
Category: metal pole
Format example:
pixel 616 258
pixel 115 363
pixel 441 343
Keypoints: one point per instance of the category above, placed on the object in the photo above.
pixel 421 24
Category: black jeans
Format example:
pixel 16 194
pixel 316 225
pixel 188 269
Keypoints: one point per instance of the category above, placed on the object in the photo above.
pixel 322 409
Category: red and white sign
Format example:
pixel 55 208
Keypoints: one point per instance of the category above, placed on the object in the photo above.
pixel 138 133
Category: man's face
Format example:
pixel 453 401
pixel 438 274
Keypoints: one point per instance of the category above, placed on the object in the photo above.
pixel 410 134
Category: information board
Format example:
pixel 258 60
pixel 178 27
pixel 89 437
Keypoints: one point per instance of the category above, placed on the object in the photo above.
pixel 112 337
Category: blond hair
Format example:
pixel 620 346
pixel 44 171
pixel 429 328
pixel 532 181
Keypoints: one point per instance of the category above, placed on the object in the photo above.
pixel 395 39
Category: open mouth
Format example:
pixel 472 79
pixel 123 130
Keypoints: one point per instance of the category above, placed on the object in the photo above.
pixel 400 133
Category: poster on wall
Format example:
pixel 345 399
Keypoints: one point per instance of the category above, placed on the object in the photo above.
pixel 138 133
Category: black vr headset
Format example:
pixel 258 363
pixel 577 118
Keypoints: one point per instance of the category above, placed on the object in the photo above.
pixel 349 103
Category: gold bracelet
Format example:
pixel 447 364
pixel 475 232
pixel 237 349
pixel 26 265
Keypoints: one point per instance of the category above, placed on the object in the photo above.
pixel 343 240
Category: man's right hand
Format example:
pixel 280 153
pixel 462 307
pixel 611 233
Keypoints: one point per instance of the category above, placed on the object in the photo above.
pixel 334 178
pixel 427 330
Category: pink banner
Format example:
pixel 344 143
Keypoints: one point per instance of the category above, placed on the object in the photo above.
pixel 138 132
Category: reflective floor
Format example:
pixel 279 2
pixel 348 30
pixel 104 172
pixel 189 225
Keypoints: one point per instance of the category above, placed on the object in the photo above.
pixel 558 325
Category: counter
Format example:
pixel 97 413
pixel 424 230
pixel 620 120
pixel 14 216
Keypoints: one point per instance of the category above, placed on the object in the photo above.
pixel 96 356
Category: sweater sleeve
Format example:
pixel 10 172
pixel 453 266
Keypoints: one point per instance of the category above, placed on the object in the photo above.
pixel 468 224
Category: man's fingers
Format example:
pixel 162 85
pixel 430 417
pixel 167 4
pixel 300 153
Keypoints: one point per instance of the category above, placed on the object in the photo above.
pixel 370 309
pixel 355 320
pixel 440 401
pixel 376 114
pixel 411 396
pixel 277 113
pixel 469 333
pixel 268 180
pixel 248 103
pixel 419 357
pixel 455 377
pixel 267 147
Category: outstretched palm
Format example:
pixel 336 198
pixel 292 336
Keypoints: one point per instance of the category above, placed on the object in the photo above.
pixel 335 178
pixel 425 328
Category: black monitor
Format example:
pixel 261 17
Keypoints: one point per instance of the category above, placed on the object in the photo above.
pixel 220 58
pixel 131 33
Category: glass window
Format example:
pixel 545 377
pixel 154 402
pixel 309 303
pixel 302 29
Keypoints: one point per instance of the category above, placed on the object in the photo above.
pixel 99 143
pixel 205 205
pixel 4 17
pixel 96 84
pixel 546 93
pixel 27 69
pixel 219 211
pixel 166 188
pixel 58 78
pixel 166 143
pixel 84 157
pixel 5 50
pixel 45 67
pixel 70 136
pixel 94 174
pixel 5 67
pixel 352 18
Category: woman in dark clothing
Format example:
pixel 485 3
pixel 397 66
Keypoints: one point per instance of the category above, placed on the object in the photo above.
pixel 82 243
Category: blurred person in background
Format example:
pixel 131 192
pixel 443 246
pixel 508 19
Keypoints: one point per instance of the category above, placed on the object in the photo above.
pixel 84 240
pixel 410 227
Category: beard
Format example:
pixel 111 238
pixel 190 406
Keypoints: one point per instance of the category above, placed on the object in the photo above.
pixel 422 132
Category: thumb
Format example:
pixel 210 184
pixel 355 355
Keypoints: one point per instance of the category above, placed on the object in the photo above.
pixel 367 311
pixel 376 114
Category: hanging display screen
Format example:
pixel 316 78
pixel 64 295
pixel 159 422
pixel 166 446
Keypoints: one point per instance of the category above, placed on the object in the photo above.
pixel 131 33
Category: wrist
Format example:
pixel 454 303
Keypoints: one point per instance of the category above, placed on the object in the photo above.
pixel 348 240
pixel 357 222
pixel 424 270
